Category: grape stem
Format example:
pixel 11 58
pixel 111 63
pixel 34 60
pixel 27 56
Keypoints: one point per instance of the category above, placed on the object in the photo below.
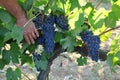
pixel 30 20
pixel 109 30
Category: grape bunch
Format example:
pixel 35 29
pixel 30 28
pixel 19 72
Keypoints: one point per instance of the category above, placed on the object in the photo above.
pixel 49 33
pixel 62 22
pixel 93 44
pixel 36 57
pixel 38 21
pixel 46 24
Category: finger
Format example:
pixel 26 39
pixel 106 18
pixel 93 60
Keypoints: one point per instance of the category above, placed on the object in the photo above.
pixel 27 39
pixel 36 32
pixel 33 35
pixel 31 39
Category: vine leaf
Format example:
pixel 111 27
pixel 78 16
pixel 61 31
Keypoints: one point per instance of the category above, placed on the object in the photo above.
pixel 58 36
pixel 68 43
pixel 113 16
pixel 17 34
pixel 26 58
pixel 74 4
pixel 110 60
pixel 6 56
pixel 14 52
pixel 28 5
pixel 1 43
pixel 41 64
pixel 5 16
pixel 7 36
pixel 80 20
pixel 2 63
pixel 18 72
pixel 13 75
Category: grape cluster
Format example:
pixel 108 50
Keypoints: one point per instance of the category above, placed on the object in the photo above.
pixel 93 44
pixel 62 22
pixel 36 57
pixel 46 24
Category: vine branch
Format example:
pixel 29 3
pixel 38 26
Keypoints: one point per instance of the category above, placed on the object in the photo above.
pixel 109 30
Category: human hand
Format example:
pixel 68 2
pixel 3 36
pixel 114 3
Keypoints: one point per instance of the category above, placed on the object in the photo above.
pixel 30 32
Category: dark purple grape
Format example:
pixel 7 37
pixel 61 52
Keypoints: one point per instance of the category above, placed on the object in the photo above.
pixel 62 22
pixel 93 44
pixel 49 33
pixel 40 40
pixel 38 21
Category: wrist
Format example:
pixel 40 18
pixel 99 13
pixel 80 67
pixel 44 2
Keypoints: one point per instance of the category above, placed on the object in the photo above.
pixel 21 21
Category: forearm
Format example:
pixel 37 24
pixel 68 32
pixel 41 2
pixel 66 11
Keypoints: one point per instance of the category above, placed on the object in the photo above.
pixel 13 7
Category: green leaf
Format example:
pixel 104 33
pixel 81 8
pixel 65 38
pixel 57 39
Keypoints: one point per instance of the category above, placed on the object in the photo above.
pixel 76 31
pixel 13 75
pixel 114 0
pixel 3 31
pixel 15 52
pixel 68 43
pixel 40 2
pixel 1 43
pixel 110 21
pixel 6 56
pixel 17 34
pixel 2 64
pixel 98 24
pixel 5 16
pixel 41 64
pixel 110 59
pixel 115 10
pixel 74 4
pixel 58 36
pixel 82 61
pixel 27 5
pixel 7 36
pixel 113 16
pixel 80 20
pixel 26 58
pixel 11 24
pixel 18 72
pixel 118 54
pixel 24 46
pixel 31 48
